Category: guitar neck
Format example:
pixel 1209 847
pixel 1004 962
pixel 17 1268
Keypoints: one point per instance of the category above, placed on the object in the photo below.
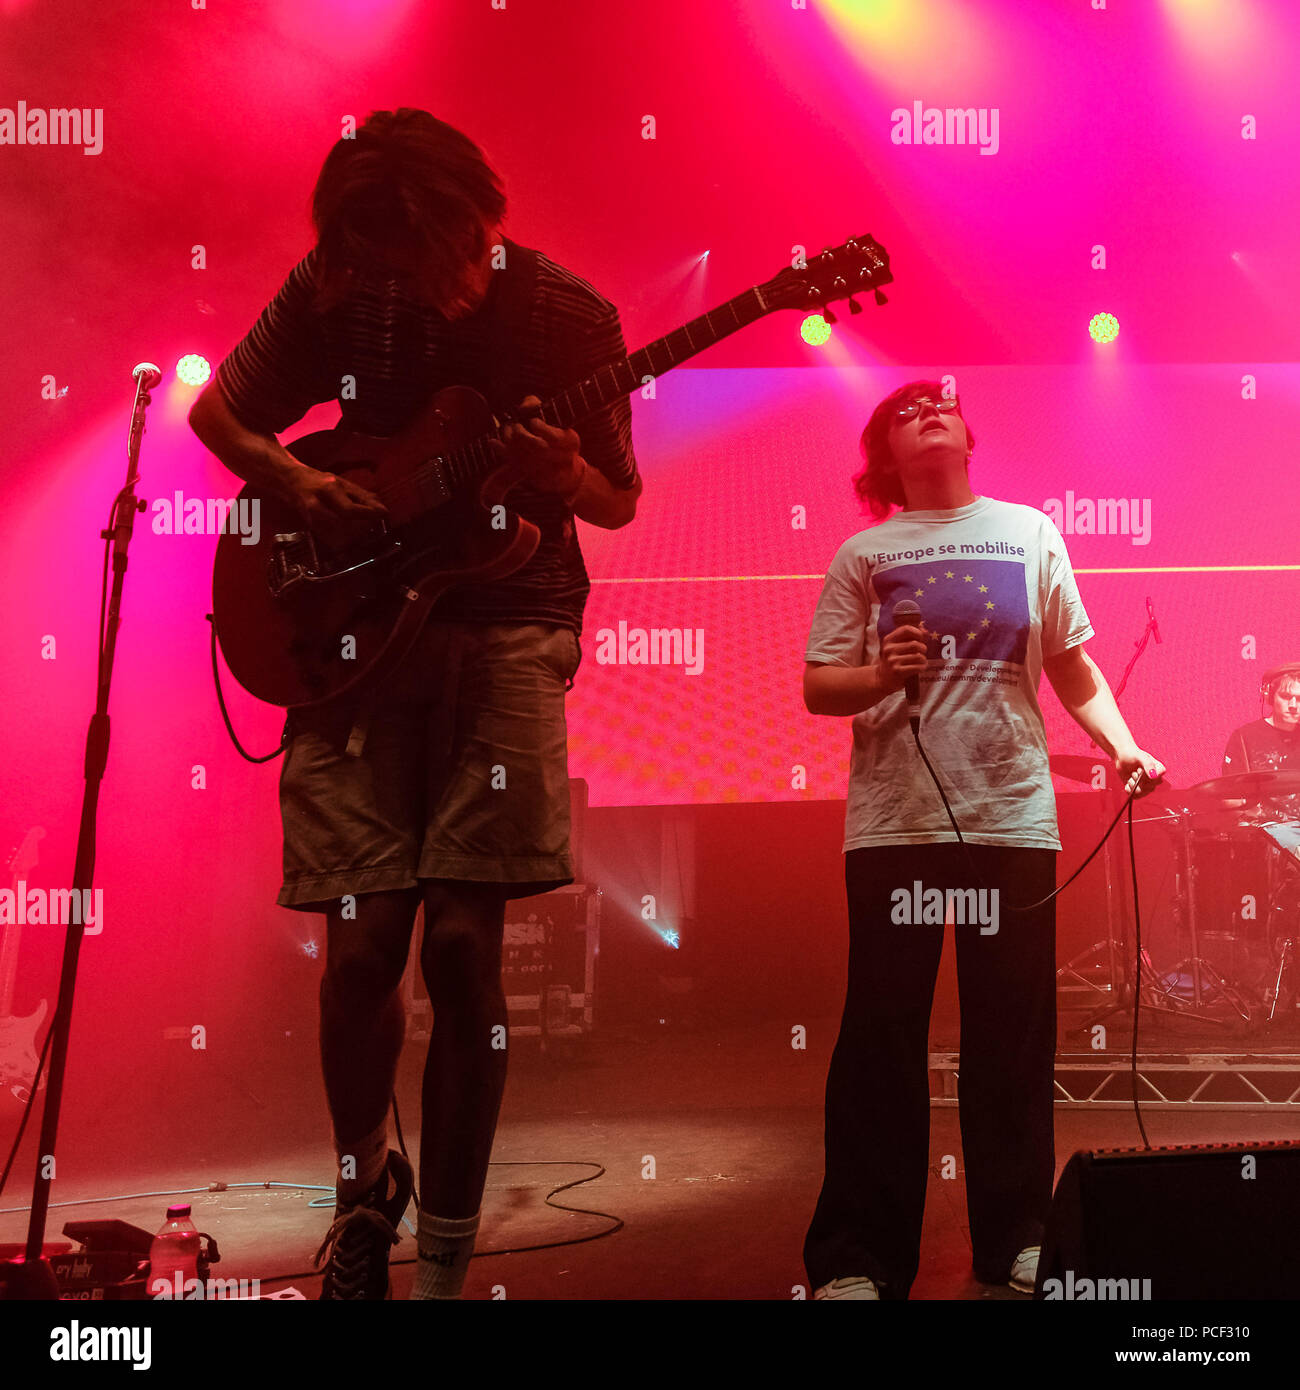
pixel 606 384
pixel 9 958
pixel 858 265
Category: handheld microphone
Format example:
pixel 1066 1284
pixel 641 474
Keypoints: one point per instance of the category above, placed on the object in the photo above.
pixel 907 614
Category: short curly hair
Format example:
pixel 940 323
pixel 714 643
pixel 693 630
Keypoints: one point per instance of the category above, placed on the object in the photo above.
pixel 879 486
pixel 406 182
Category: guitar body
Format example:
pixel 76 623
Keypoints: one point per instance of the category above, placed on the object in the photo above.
pixel 300 623
pixel 18 1056
pixel 18 1059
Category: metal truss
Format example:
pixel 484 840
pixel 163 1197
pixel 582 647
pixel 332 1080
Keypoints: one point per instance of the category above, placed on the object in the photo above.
pixel 1166 1081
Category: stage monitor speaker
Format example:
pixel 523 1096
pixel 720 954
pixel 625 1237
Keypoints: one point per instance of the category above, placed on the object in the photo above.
pixel 1191 1222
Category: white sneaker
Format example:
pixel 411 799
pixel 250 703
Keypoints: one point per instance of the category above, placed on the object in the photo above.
pixel 1024 1273
pixel 859 1286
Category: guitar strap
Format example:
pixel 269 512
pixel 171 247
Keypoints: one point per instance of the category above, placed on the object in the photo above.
pixel 516 291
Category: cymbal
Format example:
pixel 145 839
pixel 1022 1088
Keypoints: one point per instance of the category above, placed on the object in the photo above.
pixel 1081 767
pixel 1248 786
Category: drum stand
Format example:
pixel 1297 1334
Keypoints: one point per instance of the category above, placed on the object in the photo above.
pixel 1119 963
pixel 1277 869
pixel 1201 968
pixel 1275 988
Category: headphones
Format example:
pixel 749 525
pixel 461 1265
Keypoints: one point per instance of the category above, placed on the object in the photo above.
pixel 1270 680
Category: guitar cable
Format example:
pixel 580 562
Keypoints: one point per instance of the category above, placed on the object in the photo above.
pixel 221 700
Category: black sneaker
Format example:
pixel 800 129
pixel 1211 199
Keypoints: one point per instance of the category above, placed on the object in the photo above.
pixel 362 1233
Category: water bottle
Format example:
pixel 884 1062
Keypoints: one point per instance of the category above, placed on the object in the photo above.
pixel 175 1251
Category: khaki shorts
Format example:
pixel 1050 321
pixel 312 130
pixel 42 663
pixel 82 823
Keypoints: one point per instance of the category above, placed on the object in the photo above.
pixel 456 768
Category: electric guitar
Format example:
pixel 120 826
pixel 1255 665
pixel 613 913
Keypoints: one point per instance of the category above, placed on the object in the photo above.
pixel 18 1035
pixel 301 622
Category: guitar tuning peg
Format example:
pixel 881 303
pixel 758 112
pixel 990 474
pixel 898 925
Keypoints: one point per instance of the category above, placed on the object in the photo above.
pixel 880 297
pixel 828 317
pixel 854 306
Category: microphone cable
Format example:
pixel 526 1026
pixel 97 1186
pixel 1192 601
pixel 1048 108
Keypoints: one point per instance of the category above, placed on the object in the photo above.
pixel 1144 786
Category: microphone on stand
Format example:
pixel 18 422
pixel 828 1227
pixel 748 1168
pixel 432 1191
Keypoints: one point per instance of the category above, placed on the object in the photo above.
pixel 152 375
pixel 907 614
pixel 1155 627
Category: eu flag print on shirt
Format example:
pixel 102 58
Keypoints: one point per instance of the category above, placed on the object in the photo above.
pixel 974 610
pixel 997 594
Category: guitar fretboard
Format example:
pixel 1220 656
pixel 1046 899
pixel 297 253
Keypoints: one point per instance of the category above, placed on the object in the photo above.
pixel 617 379
pixel 610 382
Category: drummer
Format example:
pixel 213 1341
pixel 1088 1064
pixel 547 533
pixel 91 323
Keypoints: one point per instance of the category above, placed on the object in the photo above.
pixel 1273 742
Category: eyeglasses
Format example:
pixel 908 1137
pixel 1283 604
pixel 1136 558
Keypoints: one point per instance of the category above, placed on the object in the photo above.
pixel 945 404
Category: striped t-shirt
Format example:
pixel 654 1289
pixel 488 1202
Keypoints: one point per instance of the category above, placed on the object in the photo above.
pixel 398 352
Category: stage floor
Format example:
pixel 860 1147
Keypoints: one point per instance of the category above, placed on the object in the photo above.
pixel 732 1119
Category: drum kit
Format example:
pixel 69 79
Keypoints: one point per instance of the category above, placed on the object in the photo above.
pixel 1236 850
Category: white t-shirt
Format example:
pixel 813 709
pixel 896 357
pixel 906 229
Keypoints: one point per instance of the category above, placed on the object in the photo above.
pixel 995 588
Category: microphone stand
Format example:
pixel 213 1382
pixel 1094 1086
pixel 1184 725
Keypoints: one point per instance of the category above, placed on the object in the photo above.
pixel 31 1275
pixel 1150 631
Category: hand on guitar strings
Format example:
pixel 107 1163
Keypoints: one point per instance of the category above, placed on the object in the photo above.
pixel 550 457
pixel 335 508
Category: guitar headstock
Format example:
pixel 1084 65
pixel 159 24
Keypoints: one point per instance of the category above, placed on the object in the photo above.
pixel 859 264
pixel 25 855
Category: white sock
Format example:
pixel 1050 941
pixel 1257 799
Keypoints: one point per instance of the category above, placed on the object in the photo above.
pixel 445 1247
pixel 366 1158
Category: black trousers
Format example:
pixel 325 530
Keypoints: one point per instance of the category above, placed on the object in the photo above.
pixel 868 1217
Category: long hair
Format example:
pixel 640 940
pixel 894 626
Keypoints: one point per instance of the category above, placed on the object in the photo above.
pixel 406 184
pixel 879 486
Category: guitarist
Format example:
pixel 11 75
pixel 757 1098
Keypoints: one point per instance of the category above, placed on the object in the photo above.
pixel 449 786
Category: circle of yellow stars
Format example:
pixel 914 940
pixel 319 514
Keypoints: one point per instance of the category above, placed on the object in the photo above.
pixel 966 579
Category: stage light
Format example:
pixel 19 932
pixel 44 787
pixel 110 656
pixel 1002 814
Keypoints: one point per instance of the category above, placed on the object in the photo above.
pixel 193 370
pixel 815 330
pixel 1103 328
